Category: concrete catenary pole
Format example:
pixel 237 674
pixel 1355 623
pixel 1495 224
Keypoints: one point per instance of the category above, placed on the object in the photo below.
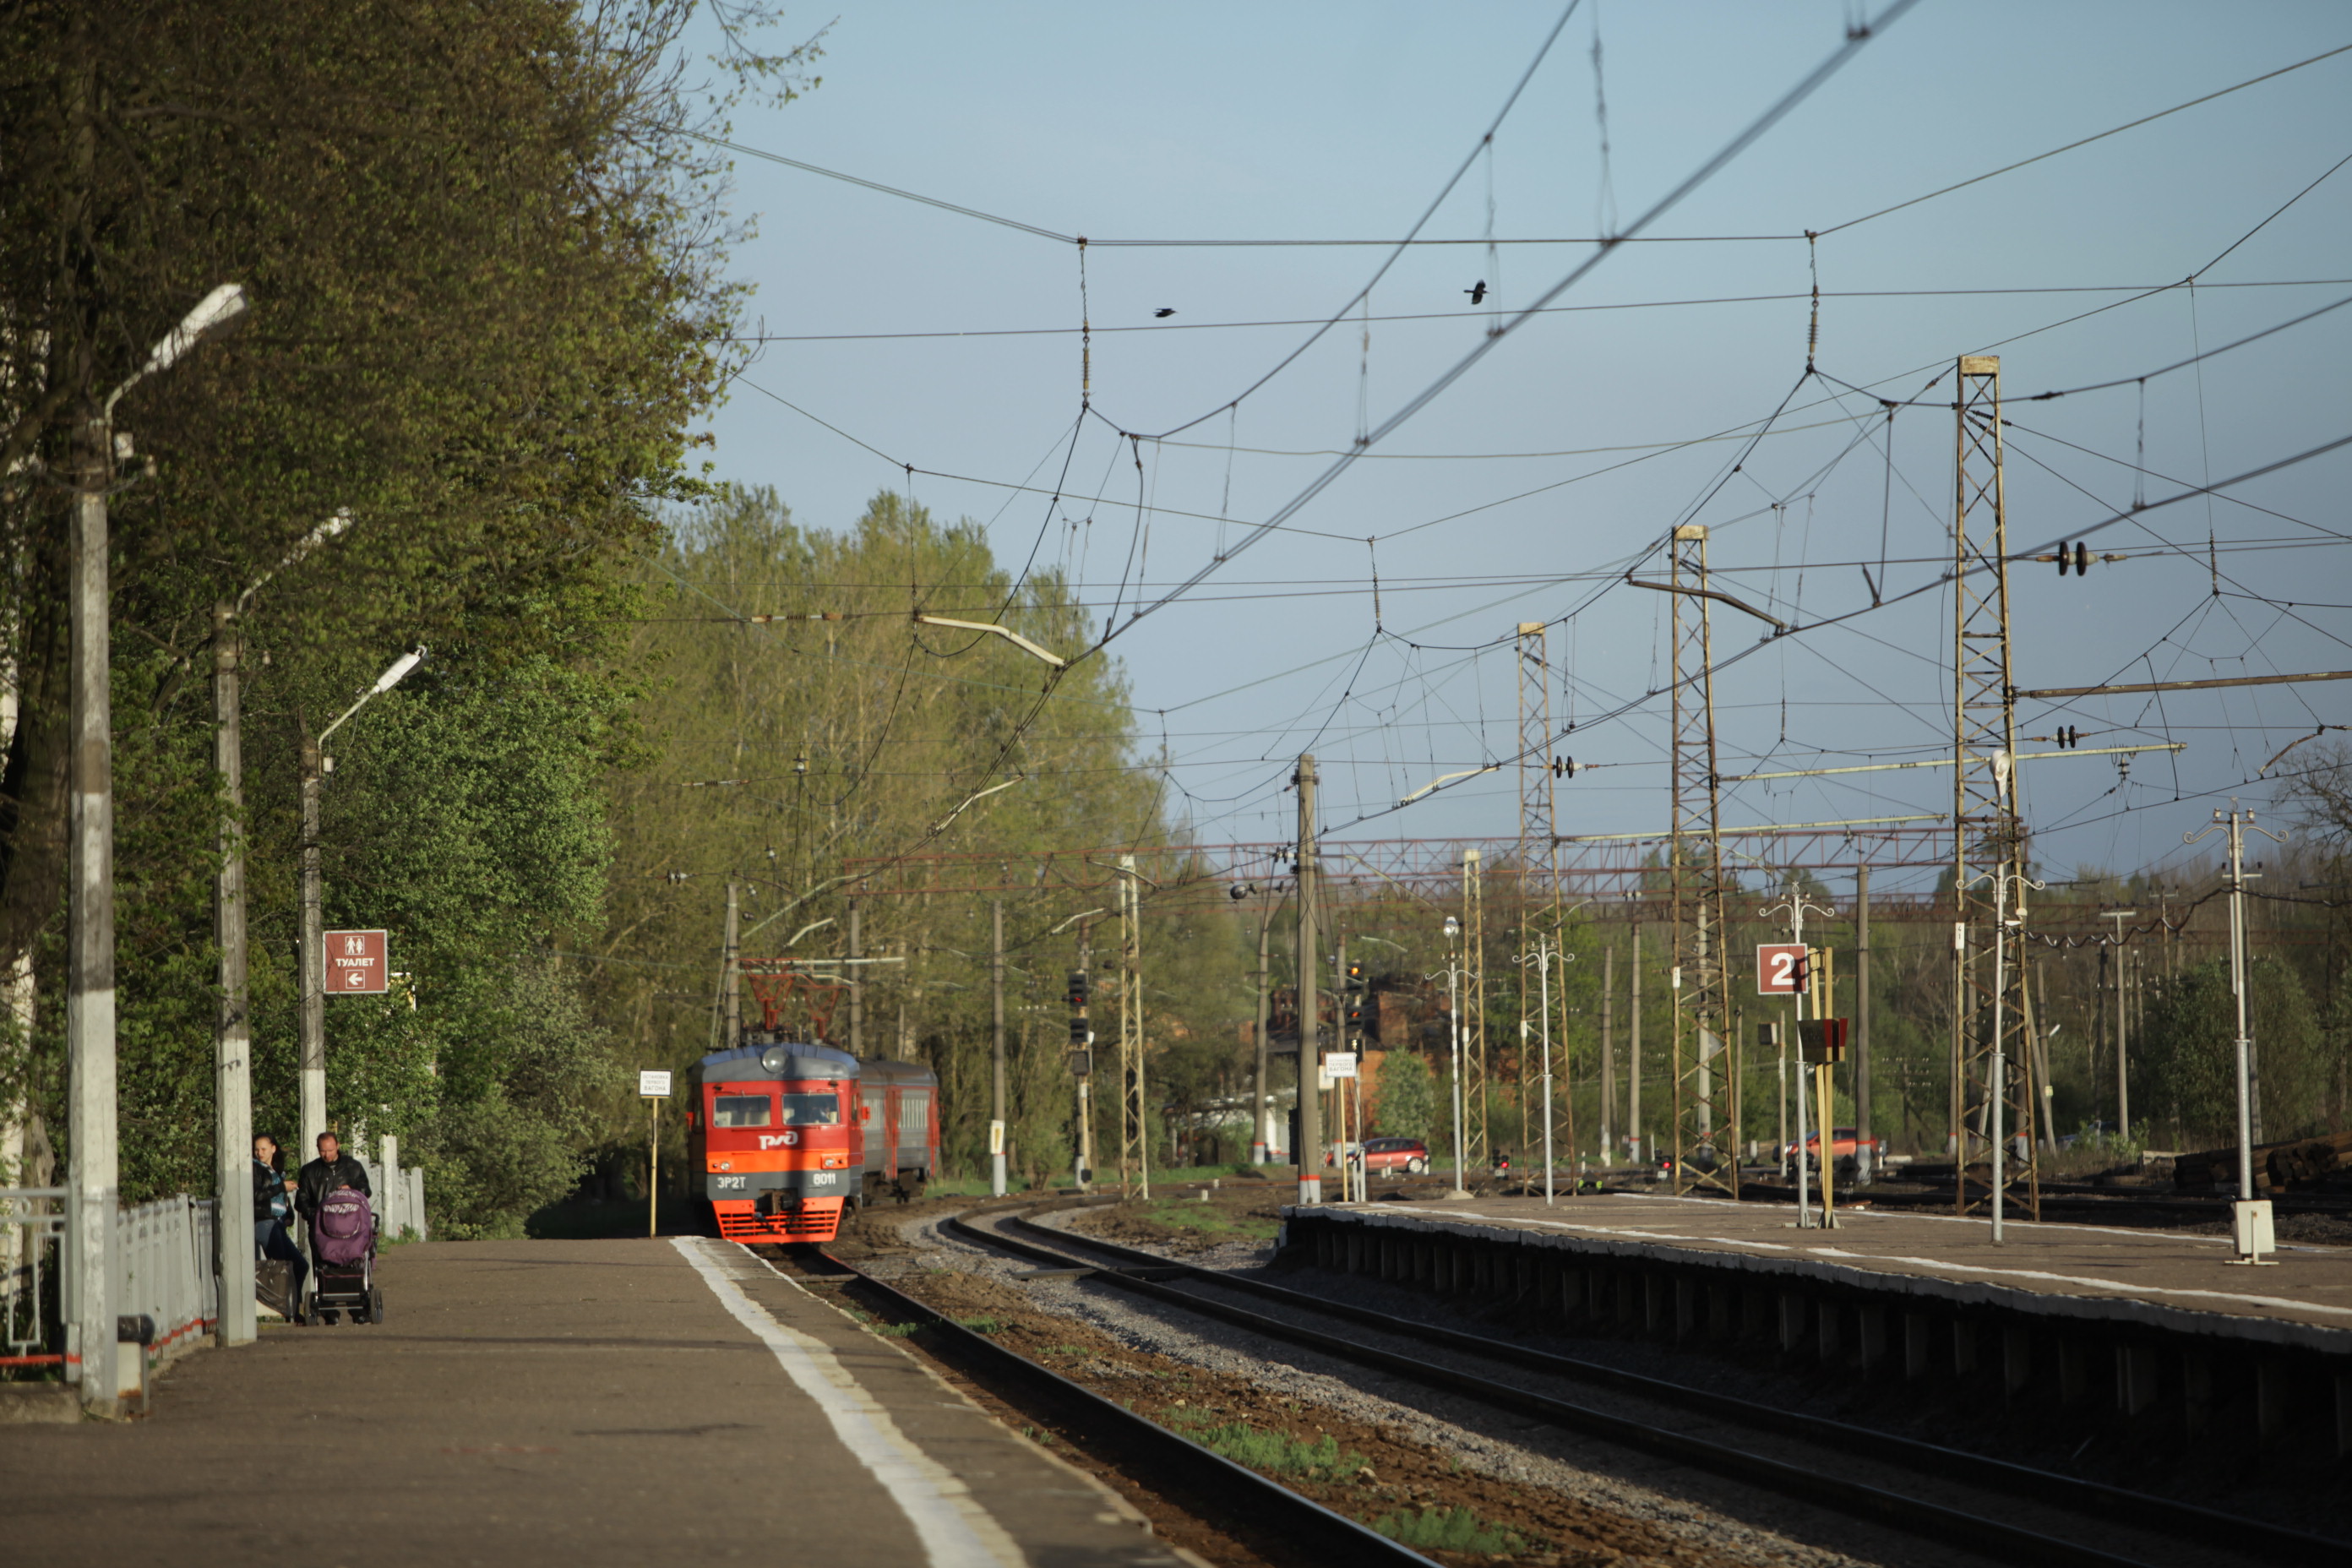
pixel 1608 1055
pixel 733 998
pixel 1261 1100
pixel 1309 1153
pixel 1634 1040
pixel 314 962
pixel 1861 1024
pixel 857 986
pixel 996 1061
pixel 90 982
pixel 232 1034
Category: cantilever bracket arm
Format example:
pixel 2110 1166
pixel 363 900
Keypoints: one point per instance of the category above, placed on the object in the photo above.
pixel 1777 624
pixel 1007 633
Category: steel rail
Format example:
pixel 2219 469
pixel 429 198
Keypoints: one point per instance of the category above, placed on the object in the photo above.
pixel 1146 1274
pixel 1322 1534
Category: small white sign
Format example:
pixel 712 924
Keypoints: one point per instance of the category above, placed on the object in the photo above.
pixel 996 1138
pixel 1341 1064
pixel 653 1085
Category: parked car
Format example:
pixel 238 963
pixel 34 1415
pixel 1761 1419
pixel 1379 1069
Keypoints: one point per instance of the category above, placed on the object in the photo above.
pixel 1410 1155
pixel 1845 1145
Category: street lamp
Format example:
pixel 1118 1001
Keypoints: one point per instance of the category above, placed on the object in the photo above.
pixel 233 1030
pixel 89 983
pixel 316 766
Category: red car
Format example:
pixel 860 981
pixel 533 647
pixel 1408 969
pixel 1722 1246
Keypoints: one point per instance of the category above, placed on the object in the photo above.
pixel 1410 1155
pixel 1846 1143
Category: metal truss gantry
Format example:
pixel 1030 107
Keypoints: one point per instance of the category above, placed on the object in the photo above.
pixel 1539 832
pixel 1134 1136
pixel 1988 985
pixel 1706 1054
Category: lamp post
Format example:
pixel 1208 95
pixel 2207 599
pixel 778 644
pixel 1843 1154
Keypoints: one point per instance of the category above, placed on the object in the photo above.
pixel 96 1179
pixel 1453 1023
pixel 233 1030
pixel 316 766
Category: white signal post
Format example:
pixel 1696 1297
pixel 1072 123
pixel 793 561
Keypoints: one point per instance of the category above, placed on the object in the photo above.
pixel 1788 980
pixel 652 1088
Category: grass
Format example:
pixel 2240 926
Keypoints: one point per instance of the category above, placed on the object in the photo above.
pixel 1276 1453
pixel 1180 1214
pixel 1448 1530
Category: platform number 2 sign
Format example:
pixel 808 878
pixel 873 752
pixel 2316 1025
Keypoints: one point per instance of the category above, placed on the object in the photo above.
pixel 1779 968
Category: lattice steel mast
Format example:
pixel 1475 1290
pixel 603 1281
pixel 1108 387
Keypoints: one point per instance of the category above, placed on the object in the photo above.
pixel 1538 826
pixel 1989 881
pixel 1134 1139
pixel 1707 1056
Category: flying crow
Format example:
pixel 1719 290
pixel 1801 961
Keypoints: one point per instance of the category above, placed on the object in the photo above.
pixel 1163 312
pixel 1478 293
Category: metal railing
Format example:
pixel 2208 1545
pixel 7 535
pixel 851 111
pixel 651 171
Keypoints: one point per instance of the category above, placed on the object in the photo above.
pixel 163 1271
pixel 31 1246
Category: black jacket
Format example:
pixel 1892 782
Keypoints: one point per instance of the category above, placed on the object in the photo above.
pixel 267 1184
pixel 319 1178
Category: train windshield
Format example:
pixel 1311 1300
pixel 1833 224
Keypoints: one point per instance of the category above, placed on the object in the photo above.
pixel 812 1110
pixel 743 1111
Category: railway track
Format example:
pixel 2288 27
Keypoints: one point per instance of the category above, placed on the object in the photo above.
pixel 1268 1514
pixel 1972 1518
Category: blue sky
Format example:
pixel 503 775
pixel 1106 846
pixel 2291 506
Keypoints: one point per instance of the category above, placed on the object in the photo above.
pixel 1331 122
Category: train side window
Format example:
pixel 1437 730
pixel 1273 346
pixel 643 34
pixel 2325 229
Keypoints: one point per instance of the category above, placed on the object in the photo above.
pixel 742 1110
pixel 914 1115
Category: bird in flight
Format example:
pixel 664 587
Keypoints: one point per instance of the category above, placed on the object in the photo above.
pixel 1478 292
pixel 1163 312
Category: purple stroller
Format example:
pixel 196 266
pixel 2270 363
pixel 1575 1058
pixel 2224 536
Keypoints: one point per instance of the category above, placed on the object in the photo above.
pixel 342 1250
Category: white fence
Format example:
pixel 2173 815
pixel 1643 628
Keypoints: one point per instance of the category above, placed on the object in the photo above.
pixel 164 1256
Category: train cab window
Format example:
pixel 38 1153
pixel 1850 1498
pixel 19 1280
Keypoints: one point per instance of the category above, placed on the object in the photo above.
pixel 812 1110
pixel 742 1110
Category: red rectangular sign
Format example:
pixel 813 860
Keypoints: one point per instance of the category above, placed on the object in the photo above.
pixel 1779 968
pixel 358 963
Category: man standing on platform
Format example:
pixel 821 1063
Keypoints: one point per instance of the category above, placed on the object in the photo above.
pixel 330 1172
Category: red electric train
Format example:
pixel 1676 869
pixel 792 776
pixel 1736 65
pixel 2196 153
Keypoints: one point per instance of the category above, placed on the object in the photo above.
pixel 786 1137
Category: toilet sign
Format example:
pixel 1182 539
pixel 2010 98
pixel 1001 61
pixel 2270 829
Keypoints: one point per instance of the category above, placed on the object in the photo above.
pixel 356 963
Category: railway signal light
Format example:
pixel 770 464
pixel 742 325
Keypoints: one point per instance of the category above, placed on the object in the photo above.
pixel 1079 1034
pixel 1078 986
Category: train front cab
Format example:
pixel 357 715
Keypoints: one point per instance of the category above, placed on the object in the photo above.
pixel 774 1135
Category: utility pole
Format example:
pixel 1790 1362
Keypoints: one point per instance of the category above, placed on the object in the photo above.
pixel 1084 1029
pixel 2123 1068
pixel 95 1172
pixel 1134 1127
pixel 996 1064
pixel 2253 1231
pixel 856 984
pixel 314 963
pixel 1634 1039
pixel 1473 1151
pixel 316 764
pixel 1796 908
pixel 233 1037
pixel 89 985
pixel 1454 1028
pixel 1309 1153
pixel 733 962
pixel 1608 1054
pixel 1261 1101
pixel 1861 1153
pixel 1702 996
pixel 1990 1030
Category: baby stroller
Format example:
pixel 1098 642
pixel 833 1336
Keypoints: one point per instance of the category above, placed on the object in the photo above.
pixel 343 1253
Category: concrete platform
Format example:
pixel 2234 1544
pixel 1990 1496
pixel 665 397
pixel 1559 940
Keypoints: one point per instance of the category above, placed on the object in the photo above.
pixel 622 1402
pixel 2180 1283
pixel 2091 1333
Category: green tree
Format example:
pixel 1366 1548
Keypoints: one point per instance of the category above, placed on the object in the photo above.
pixel 2188 1051
pixel 1409 1101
